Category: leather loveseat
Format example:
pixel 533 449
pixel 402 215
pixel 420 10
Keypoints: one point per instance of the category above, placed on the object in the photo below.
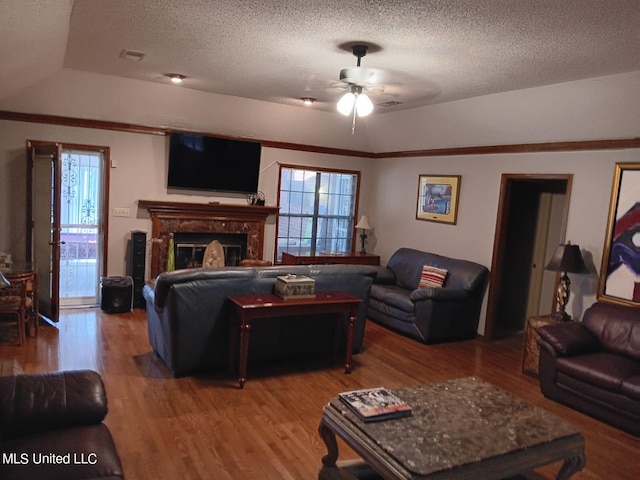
pixel 51 427
pixel 430 314
pixel 188 314
pixel 594 366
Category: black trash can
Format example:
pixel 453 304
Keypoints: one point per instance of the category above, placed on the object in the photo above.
pixel 117 294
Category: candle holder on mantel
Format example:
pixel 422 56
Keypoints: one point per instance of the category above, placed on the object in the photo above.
pixel 364 225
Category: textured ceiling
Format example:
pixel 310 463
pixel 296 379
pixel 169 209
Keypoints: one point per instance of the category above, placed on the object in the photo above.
pixel 424 51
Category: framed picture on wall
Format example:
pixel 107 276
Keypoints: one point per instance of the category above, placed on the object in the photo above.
pixel 438 198
pixel 620 272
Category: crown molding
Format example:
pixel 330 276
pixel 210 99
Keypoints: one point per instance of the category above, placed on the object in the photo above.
pixel 605 144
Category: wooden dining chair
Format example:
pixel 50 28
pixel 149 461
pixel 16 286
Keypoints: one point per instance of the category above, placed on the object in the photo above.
pixel 13 298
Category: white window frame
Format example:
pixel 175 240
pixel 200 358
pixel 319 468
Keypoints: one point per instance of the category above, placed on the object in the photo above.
pixel 305 211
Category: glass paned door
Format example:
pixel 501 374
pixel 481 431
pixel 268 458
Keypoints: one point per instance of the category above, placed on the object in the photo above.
pixel 80 204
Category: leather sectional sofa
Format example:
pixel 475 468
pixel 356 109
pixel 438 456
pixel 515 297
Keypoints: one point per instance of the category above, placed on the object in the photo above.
pixel 188 314
pixel 430 314
pixel 594 366
pixel 51 427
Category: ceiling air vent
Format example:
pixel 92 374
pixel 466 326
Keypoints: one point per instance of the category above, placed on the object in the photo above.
pixel 131 55
pixel 390 103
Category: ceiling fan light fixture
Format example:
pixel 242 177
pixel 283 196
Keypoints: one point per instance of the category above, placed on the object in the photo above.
pixel 364 105
pixel 346 103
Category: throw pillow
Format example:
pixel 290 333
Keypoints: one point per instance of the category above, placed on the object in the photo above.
pixel 432 277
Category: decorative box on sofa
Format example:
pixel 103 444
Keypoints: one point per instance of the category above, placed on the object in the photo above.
pixel 51 427
pixel 188 314
pixel 594 365
pixel 430 315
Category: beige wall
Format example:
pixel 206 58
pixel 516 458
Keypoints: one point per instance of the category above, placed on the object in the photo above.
pixel 603 108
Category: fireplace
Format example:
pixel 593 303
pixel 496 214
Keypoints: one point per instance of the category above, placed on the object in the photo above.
pixel 169 218
pixel 189 247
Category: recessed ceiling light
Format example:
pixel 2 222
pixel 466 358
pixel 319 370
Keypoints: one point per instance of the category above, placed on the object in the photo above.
pixel 175 77
pixel 308 100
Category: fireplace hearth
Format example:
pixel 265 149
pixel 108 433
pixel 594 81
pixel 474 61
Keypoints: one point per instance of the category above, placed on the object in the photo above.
pixel 169 218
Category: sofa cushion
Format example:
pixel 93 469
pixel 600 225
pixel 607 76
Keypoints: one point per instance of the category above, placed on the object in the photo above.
pixel 605 370
pixel 569 339
pixel 617 327
pixel 394 296
pixel 432 277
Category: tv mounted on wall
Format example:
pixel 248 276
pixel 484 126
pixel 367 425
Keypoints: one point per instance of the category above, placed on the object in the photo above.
pixel 212 164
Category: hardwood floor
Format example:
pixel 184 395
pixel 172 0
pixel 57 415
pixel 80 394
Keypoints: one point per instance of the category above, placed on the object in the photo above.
pixel 206 428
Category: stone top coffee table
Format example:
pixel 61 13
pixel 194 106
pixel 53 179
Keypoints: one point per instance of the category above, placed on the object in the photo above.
pixel 460 429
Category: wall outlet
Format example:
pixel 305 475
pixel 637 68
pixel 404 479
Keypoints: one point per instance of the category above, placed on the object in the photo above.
pixel 121 212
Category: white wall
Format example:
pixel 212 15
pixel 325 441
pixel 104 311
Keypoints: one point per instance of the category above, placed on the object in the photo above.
pixel 602 108
pixel 593 109
pixel 140 174
pixel 472 237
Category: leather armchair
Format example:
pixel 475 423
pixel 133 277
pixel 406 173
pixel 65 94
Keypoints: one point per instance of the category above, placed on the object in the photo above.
pixel 51 427
pixel 594 366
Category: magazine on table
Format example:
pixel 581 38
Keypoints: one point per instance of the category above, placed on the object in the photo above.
pixel 374 404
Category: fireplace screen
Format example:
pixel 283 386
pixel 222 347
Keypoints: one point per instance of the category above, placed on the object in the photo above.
pixel 190 247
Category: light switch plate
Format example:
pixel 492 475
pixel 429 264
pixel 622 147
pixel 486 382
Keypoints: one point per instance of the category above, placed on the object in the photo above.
pixel 121 212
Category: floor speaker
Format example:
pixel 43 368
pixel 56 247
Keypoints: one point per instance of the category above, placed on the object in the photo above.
pixel 117 294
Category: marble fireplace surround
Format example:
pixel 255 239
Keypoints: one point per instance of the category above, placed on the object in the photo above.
pixel 178 217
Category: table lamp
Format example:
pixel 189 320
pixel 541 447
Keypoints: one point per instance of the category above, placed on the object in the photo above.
pixel 364 225
pixel 566 259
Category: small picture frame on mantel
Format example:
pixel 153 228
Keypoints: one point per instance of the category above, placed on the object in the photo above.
pixel 438 197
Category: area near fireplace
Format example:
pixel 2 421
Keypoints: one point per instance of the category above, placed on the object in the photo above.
pixel 215 218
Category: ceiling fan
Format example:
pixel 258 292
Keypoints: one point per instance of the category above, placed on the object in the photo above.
pixel 358 81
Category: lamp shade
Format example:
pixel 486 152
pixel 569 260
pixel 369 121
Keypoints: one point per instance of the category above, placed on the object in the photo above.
pixel 364 105
pixel 364 223
pixel 345 105
pixel 567 258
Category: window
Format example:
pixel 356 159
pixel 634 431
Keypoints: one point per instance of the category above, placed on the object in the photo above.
pixel 317 210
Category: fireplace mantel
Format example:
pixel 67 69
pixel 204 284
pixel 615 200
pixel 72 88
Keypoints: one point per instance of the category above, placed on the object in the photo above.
pixel 171 217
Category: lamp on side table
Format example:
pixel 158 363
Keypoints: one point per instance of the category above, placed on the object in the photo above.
pixel 566 259
pixel 364 225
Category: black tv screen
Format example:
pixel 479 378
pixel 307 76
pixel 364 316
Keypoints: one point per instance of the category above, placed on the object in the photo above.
pixel 198 162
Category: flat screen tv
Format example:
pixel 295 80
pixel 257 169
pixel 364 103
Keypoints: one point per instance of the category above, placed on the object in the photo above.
pixel 211 164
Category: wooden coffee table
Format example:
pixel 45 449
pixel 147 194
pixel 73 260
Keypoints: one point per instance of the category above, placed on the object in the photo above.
pixel 460 429
pixel 249 308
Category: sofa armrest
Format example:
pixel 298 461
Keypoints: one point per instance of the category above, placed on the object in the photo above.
pixel 567 339
pixel 438 294
pixel 38 402
pixel 384 276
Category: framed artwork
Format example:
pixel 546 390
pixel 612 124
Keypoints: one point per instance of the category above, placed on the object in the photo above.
pixel 620 272
pixel 438 198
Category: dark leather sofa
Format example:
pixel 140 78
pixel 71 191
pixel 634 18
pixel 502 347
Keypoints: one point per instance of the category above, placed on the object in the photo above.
pixel 51 428
pixel 430 315
pixel 188 315
pixel 594 366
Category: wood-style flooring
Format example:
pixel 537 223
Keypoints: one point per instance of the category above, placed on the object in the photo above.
pixel 204 427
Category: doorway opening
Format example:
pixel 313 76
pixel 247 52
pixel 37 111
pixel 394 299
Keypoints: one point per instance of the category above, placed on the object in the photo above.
pixel 67 223
pixel 531 223
pixel 80 232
